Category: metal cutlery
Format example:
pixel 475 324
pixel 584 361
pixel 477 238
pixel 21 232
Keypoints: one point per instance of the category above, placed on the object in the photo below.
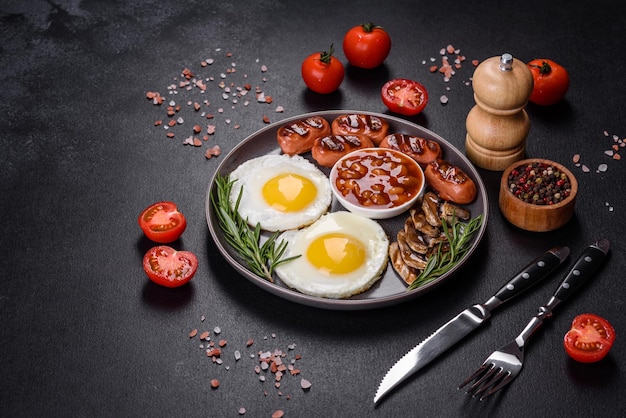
pixel 505 364
pixel 468 320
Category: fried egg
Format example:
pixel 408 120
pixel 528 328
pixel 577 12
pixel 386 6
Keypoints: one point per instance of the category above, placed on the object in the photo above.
pixel 280 192
pixel 341 254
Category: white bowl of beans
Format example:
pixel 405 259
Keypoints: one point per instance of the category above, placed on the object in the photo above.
pixel 377 183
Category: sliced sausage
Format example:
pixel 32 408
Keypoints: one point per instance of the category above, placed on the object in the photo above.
pixel 422 150
pixel 359 124
pixel 298 136
pixel 327 150
pixel 450 182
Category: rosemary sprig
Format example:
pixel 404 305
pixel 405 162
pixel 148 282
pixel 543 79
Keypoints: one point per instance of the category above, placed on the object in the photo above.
pixel 459 235
pixel 262 259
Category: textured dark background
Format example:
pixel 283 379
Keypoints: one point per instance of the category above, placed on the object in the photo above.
pixel 85 334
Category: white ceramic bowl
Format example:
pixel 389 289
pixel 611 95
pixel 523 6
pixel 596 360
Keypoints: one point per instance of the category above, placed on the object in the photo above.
pixel 389 181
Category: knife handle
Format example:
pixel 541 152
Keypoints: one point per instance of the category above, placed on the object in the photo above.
pixel 585 266
pixel 534 272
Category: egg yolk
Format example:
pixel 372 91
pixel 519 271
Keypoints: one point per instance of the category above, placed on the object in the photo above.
pixel 336 253
pixel 289 192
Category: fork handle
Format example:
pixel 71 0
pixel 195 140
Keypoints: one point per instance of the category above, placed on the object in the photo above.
pixel 590 260
pixel 531 274
pixel 585 266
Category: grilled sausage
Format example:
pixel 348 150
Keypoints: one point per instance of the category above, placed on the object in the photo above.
pixel 422 150
pixel 327 150
pixel 450 182
pixel 298 137
pixel 359 124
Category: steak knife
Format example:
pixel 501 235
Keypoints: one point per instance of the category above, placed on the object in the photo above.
pixel 471 318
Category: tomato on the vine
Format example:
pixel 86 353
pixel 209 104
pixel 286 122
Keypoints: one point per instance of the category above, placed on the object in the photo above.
pixel 366 45
pixel 551 82
pixel 403 96
pixel 162 222
pixel 322 72
pixel 589 339
pixel 170 268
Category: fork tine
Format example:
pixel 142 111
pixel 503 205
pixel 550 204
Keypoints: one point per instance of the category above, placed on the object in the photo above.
pixel 477 373
pixel 485 372
pixel 489 380
pixel 508 378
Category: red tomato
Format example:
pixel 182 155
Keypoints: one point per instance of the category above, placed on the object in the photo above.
pixel 590 338
pixel 366 46
pixel 322 72
pixel 406 97
pixel 168 267
pixel 551 82
pixel 162 222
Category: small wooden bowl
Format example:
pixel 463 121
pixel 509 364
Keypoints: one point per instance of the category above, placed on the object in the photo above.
pixel 533 217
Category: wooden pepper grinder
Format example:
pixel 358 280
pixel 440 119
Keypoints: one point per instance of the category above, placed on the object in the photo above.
pixel 498 125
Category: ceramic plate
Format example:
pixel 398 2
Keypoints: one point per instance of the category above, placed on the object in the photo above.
pixel 390 289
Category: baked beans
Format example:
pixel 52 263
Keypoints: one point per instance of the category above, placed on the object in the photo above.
pixel 378 178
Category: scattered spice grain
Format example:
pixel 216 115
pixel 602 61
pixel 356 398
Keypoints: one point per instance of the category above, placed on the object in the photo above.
pixel 305 384
pixel 188 83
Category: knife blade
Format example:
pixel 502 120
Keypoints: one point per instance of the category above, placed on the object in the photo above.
pixel 471 318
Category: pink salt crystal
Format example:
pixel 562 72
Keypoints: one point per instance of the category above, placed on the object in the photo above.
pixel 211 152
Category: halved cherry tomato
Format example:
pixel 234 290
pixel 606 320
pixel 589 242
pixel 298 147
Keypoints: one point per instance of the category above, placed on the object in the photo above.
pixel 590 338
pixel 162 222
pixel 322 72
pixel 551 82
pixel 403 96
pixel 168 267
pixel 366 46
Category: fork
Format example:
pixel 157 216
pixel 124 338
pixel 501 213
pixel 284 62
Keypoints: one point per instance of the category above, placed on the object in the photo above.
pixel 505 364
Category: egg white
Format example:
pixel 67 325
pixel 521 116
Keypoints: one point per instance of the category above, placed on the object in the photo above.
pixel 252 175
pixel 303 276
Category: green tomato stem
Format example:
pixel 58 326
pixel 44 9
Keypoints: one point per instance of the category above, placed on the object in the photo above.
pixel 326 56
pixel 369 27
pixel 544 68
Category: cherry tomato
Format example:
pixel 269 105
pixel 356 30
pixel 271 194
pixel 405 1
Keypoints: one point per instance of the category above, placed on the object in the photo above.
pixel 162 222
pixel 366 46
pixel 403 96
pixel 551 82
pixel 590 338
pixel 168 267
pixel 322 72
